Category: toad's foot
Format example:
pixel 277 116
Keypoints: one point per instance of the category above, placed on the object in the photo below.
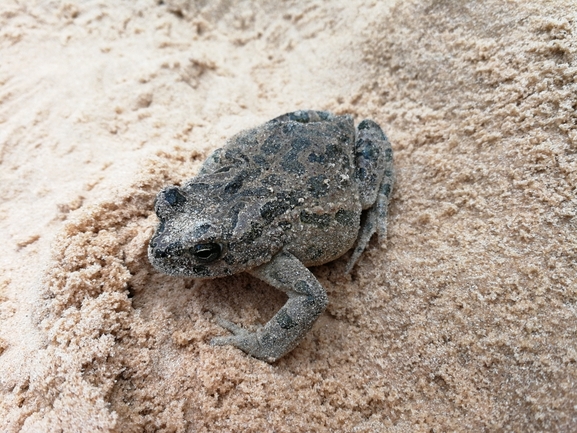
pixel 307 300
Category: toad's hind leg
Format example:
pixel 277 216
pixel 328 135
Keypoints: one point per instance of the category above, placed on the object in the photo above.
pixel 375 176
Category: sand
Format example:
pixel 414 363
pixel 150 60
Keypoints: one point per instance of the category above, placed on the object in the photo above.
pixel 466 321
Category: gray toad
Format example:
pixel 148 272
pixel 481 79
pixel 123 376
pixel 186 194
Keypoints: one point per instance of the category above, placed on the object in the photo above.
pixel 274 200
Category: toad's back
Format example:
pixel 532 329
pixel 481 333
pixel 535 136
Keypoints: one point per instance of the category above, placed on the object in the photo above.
pixel 291 180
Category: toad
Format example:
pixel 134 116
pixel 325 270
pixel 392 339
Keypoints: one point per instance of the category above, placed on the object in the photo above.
pixel 298 191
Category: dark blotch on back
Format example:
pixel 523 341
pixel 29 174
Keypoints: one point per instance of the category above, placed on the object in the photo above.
pixel 317 185
pixel 233 215
pixel 290 164
pixel 321 221
pixel 315 157
pixel 331 155
pixel 261 161
pixel 237 183
pixel 252 235
pixel 234 185
pixel 333 152
pixel 272 209
pixel 290 161
pixel 273 142
pixel 300 143
pixel 346 217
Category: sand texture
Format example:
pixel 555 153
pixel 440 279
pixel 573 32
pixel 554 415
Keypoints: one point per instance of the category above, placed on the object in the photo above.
pixel 466 321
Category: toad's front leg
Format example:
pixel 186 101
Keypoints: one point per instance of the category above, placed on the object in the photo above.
pixel 307 300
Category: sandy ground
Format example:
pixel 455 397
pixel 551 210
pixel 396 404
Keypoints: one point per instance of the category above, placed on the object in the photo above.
pixel 467 321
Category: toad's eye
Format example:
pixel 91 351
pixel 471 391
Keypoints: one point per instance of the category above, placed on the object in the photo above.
pixel 206 253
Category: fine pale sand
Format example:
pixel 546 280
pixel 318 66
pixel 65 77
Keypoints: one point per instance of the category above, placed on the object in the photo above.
pixel 465 321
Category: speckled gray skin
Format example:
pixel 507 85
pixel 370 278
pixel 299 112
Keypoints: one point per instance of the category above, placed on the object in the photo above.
pixel 274 200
